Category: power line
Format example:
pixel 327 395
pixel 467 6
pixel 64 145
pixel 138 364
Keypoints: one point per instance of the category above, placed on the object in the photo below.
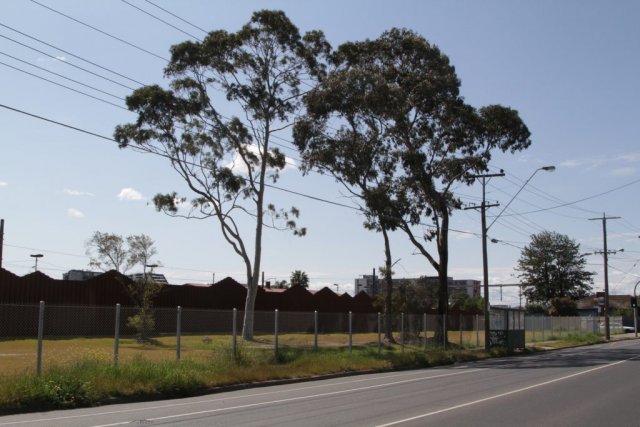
pixel 66 62
pixel 64 86
pixel 579 200
pixel 100 31
pixel 161 20
pixel 72 54
pixel 176 16
pixel 61 75
pixel 166 156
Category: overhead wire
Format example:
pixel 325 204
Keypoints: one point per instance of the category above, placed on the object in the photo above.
pixel 64 86
pixel 73 55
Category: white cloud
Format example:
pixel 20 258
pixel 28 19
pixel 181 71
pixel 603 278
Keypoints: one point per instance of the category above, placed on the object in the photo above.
pixel 3 184
pixel 69 192
pixel 61 58
pixel 74 213
pixel 129 194
pixel 623 171
pixel 238 166
pixel 570 163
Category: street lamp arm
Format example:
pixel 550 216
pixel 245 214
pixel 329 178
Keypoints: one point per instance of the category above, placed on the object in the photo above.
pixel 544 168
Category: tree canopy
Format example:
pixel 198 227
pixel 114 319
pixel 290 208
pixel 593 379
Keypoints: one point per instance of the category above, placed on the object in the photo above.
pixel 396 104
pixel 299 278
pixel 110 251
pixel 551 268
pixel 228 162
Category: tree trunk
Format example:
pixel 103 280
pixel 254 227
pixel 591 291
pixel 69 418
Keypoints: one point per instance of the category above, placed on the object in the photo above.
pixel 443 283
pixel 388 277
pixel 249 305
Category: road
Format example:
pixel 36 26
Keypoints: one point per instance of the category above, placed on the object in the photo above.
pixel 588 386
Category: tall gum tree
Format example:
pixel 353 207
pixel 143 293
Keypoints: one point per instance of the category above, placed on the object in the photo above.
pixel 227 163
pixel 399 96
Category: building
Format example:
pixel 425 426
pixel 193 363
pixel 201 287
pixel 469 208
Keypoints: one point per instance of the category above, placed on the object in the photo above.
pixel 373 285
pixel 369 284
pixel 150 276
pixel 79 275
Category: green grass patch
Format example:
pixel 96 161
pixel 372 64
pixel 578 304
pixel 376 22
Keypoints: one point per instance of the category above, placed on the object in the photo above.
pixel 93 381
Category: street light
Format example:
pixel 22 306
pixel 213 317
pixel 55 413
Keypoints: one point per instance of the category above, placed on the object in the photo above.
pixel 36 256
pixel 485 264
pixel 543 168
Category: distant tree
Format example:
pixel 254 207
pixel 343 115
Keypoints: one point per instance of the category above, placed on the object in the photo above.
pixel 562 306
pixel 143 292
pixel 398 97
pixel 281 284
pixel 299 278
pixel 227 163
pixel 141 248
pixel 111 251
pixel 464 302
pixel 107 251
pixel 552 267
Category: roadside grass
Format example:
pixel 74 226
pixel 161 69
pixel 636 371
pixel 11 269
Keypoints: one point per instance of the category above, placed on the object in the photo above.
pixel 570 339
pixel 80 372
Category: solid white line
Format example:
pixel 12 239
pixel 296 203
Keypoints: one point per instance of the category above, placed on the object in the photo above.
pixel 497 396
pixel 294 399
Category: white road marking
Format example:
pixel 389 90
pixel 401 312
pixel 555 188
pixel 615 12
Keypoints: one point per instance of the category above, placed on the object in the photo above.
pixel 509 393
pixel 228 398
pixel 294 399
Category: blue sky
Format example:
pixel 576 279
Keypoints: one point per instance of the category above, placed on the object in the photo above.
pixel 570 68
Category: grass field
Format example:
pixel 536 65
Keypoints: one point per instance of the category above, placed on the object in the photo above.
pixel 19 355
pixel 81 372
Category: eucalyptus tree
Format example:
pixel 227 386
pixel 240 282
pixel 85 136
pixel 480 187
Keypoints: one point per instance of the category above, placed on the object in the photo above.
pixel 399 97
pixel 228 163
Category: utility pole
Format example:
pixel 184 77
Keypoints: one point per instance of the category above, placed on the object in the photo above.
pixel 605 254
pixel 485 264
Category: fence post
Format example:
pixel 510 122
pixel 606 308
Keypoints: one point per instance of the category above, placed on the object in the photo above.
pixel 234 345
pixel 315 331
pixel 178 326
pixel 350 332
pixel 379 333
pixel 275 333
pixel 477 331
pixel 116 342
pixel 40 334
pixel 424 323
pixel 444 330
pixel 402 332
pixel 460 327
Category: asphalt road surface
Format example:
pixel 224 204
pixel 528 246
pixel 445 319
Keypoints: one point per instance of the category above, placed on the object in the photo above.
pixel 588 386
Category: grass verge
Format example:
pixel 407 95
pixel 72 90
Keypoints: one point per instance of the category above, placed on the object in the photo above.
pixel 94 381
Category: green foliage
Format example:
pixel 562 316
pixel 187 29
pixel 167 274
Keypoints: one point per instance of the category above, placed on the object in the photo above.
pixel 465 303
pixel 110 251
pixel 107 251
pixel 552 267
pixel 563 306
pixel 299 278
pixel 227 162
pixel 405 136
pixel 144 323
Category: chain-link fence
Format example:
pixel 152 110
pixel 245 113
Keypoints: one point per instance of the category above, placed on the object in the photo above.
pixel 32 336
